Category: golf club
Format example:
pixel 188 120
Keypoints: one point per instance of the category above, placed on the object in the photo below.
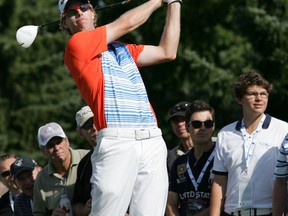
pixel 26 34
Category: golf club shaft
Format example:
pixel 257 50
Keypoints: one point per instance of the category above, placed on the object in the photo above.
pixel 95 8
pixel 112 5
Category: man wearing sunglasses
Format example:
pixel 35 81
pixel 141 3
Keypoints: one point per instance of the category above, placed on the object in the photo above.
pixel 190 178
pixel 177 121
pixel 59 173
pixel 7 199
pixel 81 201
pixel 131 148
pixel 246 153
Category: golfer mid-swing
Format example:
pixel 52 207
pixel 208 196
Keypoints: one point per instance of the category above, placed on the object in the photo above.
pixel 129 161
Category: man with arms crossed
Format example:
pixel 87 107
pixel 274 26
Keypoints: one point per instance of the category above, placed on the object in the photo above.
pixel 246 153
pixel 130 146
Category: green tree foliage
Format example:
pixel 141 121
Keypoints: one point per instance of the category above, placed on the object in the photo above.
pixel 219 40
pixel 35 87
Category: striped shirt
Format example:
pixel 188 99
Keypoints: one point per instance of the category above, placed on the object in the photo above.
pixel 126 100
pixel 281 169
pixel 109 80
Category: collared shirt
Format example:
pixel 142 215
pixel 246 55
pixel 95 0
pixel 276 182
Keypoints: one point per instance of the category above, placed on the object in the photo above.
pixel 48 185
pixel 257 178
pixel 173 154
pixel 109 80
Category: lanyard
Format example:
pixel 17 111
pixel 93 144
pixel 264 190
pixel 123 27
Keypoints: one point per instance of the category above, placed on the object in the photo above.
pixel 11 201
pixel 200 177
pixel 31 203
pixel 250 140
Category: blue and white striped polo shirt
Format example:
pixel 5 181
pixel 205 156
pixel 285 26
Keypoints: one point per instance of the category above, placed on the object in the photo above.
pixel 126 101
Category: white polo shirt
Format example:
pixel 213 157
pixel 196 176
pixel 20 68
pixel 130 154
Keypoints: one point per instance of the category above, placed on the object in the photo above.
pixel 250 184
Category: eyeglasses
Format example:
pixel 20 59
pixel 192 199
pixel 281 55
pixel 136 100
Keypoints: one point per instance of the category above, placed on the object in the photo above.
pixel 88 124
pixel 179 108
pixel 5 174
pixel 54 141
pixel 253 95
pixel 73 11
pixel 198 124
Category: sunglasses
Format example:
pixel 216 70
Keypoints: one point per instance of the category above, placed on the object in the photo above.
pixel 88 124
pixel 73 11
pixel 198 124
pixel 54 141
pixel 5 174
pixel 179 108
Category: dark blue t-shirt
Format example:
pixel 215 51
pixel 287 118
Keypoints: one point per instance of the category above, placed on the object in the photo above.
pixel 191 201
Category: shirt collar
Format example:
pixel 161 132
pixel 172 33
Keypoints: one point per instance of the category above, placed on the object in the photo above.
pixel 265 125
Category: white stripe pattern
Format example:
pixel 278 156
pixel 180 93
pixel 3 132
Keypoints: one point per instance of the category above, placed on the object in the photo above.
pixel 126 100
pixel 281 169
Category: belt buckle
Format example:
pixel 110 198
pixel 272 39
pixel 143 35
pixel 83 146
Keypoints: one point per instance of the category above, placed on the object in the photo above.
pixel 242 212
pixel 252 212
pixel 142 134
pixel 246 212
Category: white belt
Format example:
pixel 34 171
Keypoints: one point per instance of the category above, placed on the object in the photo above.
pixel 137 134
pixel 252 212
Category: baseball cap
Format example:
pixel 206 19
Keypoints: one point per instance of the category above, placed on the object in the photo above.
pixel 48 131
pixel 62 5
pixel 83 115
pixel 179 109
pixel 22 164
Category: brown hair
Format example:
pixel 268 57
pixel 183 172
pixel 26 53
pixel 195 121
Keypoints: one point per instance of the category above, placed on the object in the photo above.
pixel 7 156
pixel 249 79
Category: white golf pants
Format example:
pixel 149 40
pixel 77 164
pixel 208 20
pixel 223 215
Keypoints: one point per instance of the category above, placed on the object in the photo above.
pixel 129 170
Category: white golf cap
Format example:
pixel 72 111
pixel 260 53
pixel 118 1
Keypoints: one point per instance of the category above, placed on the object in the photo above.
pixel 62 5
pixel 48 131
pixel 83 115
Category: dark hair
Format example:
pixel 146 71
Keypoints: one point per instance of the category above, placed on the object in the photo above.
pixel 249 79
pixel 198 106
pixel 7 156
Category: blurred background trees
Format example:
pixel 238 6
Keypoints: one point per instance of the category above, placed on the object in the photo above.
pixel 219 41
